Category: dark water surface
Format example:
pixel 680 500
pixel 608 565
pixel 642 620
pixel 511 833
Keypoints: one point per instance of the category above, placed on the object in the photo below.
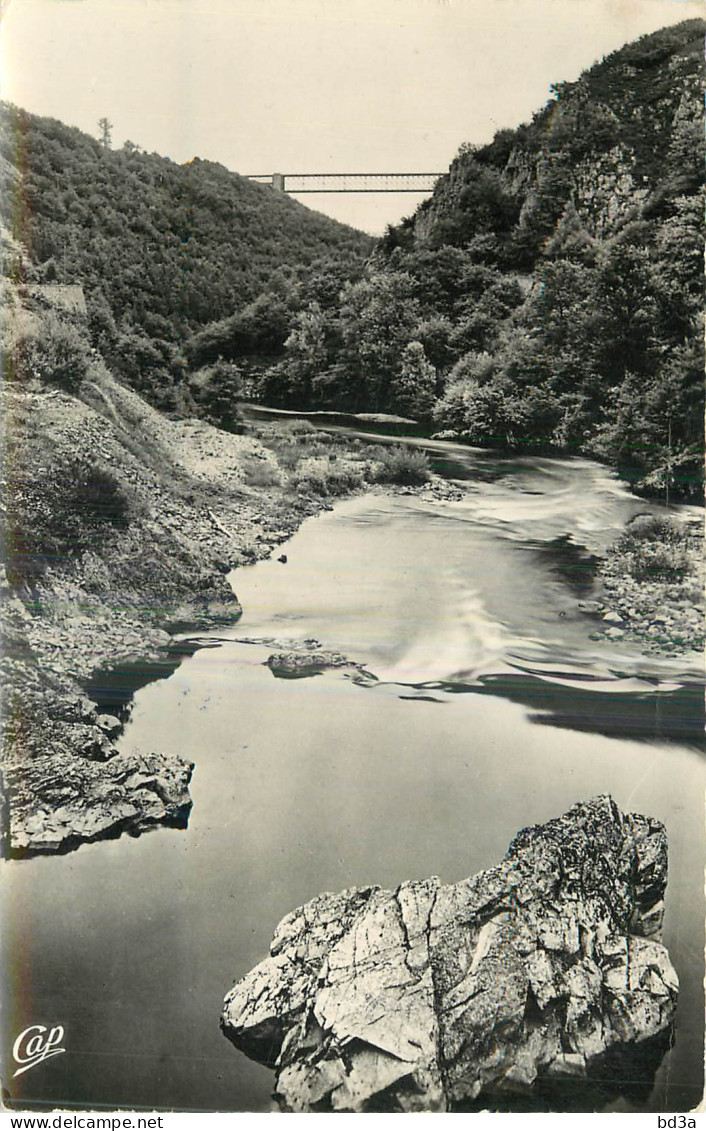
pixel 491 710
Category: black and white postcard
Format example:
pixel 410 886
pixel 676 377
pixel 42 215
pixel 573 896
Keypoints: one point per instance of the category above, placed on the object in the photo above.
pixel 353 614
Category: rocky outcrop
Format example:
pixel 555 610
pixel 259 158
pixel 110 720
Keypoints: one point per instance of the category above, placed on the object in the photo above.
pixel 439 997
pixel 64 781
pixel 614 146
pixel 295 664
pixel 129 793
pixel 84 594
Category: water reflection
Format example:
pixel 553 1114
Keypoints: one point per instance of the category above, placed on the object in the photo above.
pixel 666 716
pixel 113 689
pixel 311 785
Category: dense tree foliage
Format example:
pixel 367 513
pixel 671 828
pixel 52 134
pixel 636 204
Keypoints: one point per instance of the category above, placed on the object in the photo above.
pixel 550 292
pixel 161 250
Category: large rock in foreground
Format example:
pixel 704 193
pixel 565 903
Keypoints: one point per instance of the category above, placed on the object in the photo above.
pixel 437 996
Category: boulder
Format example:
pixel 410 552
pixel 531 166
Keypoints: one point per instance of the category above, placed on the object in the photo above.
pixel 295 664
pixel 591 606
pixel 441 997
pixel 110 724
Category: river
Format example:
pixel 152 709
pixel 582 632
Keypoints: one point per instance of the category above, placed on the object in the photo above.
pixel 491 709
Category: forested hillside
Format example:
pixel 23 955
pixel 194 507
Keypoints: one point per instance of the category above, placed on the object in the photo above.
pixel 550 292
pixel 626 136
pixel 160 249
pixel 548 295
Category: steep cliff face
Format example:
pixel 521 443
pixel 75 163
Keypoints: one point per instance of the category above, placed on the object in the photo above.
pixel 613 143
pixel 513 982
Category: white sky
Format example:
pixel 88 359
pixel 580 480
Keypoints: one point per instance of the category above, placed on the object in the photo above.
pixel 310 85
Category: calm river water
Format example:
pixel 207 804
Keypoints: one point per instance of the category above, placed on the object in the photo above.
pixel 491 710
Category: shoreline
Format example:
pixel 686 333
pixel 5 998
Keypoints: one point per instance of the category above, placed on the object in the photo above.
pixel 118 596
pixel 200 502
pixel 66 782
pixel 640 603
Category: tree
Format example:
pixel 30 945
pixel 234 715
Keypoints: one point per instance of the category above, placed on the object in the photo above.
pixel 413 388
pixel 435 335
pixel 571 239
pixel 260 329
pixel 106 132
pixel 49 350
pixel 626 308
pixel 307 355
pixel 463 407
pixel 216 390
pixel 378 317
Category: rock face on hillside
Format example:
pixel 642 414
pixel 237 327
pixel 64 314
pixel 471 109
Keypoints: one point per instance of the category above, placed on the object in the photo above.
pixel 438 997
pixel 626 134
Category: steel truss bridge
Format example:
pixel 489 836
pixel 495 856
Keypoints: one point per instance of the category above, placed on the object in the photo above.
pixel 348 182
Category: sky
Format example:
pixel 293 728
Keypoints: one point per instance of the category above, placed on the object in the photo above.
pixel 310 85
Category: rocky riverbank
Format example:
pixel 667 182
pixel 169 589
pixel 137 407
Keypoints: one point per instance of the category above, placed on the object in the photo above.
pixel 651 587
pixel 529 979
pixel 122 529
